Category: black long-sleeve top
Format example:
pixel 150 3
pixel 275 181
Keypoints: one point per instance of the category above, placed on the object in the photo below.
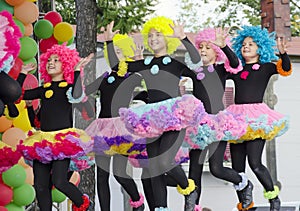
pixel 252 89
pixel 210 89
pixel 55 111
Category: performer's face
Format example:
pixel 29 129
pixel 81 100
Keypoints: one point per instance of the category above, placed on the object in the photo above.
pixel 119 53
pixel 249 50
pixel 54 67
pixel 157 42
pixel 207 53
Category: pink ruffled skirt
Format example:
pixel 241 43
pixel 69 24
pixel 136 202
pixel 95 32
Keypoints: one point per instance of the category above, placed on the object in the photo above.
pixel 262 122
pixel 152 120
pixel 8 157
pixel 223 126
pixel 58 145
pixel 111 137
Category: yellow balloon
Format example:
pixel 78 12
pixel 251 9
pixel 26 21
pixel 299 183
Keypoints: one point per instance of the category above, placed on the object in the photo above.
pixel 63 32
pixel 22 121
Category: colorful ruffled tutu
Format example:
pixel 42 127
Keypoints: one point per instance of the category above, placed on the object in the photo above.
pixel 111 137
pixel 224 126
pixel 262 121
pixel 141 160
pixel 153 119
pixel 8 157
pixel 58 145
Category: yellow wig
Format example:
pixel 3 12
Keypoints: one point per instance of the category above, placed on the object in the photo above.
pixel 162 25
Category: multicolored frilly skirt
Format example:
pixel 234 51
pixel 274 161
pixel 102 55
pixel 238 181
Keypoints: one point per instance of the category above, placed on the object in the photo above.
pixel 111 137
pixel 153 119
pixel 262 121
pixel 223 126
pixel 70 143
pixel 141 160
pixel 8 157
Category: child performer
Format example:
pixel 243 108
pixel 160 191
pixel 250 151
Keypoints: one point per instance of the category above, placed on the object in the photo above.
pixel 255 48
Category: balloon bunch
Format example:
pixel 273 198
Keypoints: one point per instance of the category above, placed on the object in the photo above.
pixel 14 191
pixel 53 30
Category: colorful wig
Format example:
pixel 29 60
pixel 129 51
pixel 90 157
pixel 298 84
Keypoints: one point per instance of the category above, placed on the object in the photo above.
pixel 265 41
pixel 125 43
pixel 162 25
pixel 10 35
pixel 68 57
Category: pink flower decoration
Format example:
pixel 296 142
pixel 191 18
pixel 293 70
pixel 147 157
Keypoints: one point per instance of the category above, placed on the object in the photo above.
pixel 255 67
pixel 244 75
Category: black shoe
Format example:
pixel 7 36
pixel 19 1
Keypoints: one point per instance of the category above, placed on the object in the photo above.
pixel 245 195
pixel 274 204
pixel 140 208
pixel 190 201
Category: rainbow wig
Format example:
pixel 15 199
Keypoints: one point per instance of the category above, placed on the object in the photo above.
pixel 68 57
pixel 10 35
pixel 207 35
pixel 265 41
pixel 125 43
pixel 161 24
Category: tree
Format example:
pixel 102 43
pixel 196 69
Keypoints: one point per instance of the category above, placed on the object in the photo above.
pixel 86 43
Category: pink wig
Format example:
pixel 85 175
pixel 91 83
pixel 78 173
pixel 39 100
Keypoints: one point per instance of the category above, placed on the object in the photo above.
pixel 9 40
pixel 68 57
pixel 207 35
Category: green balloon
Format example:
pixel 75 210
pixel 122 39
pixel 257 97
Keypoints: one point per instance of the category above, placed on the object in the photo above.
pixel 58 196
pixel 14 207
pixel 70 41
pixel 33 61
pixel 29 48
pixel 24 195
pixel 20 25
pixel 43 29
pixel 15 176
pixel 7 7
pixel 1 136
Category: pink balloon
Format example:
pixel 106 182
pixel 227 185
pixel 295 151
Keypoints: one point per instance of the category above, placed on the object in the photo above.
pixel 53 17
pixel 6 194
pixel 47 43
pixel 15 70
pixel 3 208
pixel 31 82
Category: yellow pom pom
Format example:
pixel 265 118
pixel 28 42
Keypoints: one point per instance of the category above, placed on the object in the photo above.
pixel 63 84
pixel 48 93
pixel 46 85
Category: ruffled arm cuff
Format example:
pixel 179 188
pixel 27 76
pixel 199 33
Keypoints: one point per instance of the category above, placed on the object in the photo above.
pixel 71 99
pixel 284 66
pixel 190 64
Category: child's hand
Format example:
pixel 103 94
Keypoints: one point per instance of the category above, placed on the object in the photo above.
pixel 282 45
pixel 108 31
pixel 220 38
pixel 83 61
pixel 178 29
pixel 26 68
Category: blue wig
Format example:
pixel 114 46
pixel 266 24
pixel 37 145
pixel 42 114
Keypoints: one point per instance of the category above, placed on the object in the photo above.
pixel 265 41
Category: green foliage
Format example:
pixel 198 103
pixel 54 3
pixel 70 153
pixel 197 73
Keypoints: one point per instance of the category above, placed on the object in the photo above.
pixel 67 10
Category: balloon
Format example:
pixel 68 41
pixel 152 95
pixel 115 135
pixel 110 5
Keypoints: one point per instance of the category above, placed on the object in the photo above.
pixel 7 7
pixel 22 120
pixel 27 12
pixel 28 29
pixel 13 135
pixel 75 178
pixel 5 123
pixel 6 194
pixel 29 48
pixel 3 208
pixel 58 196
pixel 63 32
pixel 14 207
pixel 33 61
pixel 22 163
pixel 43 29
pixel 14 2
pixel 15 70
pixel 54 17
pixel 15 176
pixel 31 82
pixel 29 175
pixel 47 43
pixel 20 25
pixel 70 41
pixel 23 195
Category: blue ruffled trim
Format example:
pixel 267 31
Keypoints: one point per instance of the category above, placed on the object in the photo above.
pixel 72 99
pixel 190 64
pixel 7 65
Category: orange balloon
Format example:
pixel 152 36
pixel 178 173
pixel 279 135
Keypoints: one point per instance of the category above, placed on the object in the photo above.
pixel 75 178
pixel 12 136
pixel 28 29
pixel 22 163
pixel 14 2
pixel 29 176
pixel 5 124
pixel 27 12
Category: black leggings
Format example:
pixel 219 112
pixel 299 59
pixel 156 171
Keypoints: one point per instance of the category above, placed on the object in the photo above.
pixel 216 157
pixel 55 173
pixel 253 151
pixel 120 174
pixel 161 153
